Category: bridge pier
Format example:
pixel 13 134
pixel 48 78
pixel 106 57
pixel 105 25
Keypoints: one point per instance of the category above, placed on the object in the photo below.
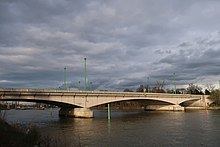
pixel 76 112
pixel 164 108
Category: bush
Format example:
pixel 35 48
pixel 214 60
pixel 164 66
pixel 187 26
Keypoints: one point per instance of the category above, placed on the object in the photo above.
pixel 215 96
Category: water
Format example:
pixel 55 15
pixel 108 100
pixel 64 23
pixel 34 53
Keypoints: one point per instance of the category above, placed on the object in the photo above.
pixel 127 128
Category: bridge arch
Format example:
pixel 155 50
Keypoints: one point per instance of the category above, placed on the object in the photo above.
pixel 50 102
pixel 144 99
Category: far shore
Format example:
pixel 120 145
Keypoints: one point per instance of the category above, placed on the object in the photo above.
pixel 203 108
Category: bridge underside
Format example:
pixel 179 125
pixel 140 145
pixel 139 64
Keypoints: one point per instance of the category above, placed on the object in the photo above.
pixel 54 103
pixel 142 104
pixel 130 104
pixel 188 103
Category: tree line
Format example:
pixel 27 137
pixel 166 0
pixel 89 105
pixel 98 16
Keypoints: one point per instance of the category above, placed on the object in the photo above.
pixel 210 90
pixel 159 88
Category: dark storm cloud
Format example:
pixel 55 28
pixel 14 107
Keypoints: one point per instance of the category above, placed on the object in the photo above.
pixel 124 42
pixel 196 61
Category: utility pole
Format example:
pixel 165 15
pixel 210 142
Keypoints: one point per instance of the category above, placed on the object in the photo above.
pixel 174 83
pixel 90 86
pixel 65 78
pixel 84 73
pixel 79 85
pixel 148 85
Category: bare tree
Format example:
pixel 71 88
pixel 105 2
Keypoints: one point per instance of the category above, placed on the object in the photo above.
pixel 160 84
pixel 141 88
pixel 210 87
pixel 159 87
pixel 194 89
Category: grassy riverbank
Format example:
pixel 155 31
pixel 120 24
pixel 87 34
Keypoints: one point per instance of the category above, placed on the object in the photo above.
pixel 15 136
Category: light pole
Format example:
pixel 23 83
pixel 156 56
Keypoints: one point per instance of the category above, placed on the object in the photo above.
pixel 148 86
pixel 65 78
pixel 79 85
pixel 85 74
pixel 174 83
pixel 90 86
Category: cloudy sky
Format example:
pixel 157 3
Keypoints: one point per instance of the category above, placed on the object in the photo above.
pixel 124 42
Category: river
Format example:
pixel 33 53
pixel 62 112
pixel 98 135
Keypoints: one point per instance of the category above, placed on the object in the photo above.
pixel 126 128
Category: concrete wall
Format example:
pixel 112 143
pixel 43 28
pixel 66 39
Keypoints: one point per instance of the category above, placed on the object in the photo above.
pixel 164 108
pixel 203 102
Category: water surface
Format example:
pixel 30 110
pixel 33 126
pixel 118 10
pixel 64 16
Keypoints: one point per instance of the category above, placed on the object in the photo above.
pixel 126 128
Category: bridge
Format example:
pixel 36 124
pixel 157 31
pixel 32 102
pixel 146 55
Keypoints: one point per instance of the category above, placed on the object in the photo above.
pixel 78 103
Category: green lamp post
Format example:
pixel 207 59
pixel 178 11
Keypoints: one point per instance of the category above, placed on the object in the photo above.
pixel 84 73
pixel 174 83
pixel 65 78
pixel 79 85
pixel 90 86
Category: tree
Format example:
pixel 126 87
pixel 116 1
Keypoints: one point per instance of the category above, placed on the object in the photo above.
pixel 210 87
pixel 194 89
pixel 169 90
pixel 159 87
pixel 207 92
pixel 127 90
pixel 215 96
pixel 160 84
pixel 141 88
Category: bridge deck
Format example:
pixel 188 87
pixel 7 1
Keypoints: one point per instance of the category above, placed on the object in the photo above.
pixel 89 98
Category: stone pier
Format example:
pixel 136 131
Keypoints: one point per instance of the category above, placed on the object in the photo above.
pixel 76 112
pixel 164 108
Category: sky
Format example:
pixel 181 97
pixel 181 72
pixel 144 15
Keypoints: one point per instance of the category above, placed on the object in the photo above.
pixel 125 43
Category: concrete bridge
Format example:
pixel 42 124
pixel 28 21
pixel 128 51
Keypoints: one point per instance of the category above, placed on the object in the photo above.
pixel 78 103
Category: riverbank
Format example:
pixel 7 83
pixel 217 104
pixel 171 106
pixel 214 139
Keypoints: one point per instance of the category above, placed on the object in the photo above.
pixel 214 108
pixel 16 136
pixel 203 108
pixel 144 108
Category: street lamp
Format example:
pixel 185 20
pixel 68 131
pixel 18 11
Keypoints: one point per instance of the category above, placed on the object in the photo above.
pixel 65 78
pixel 79 85
pixel 85 74
pixel 148 85
pixel 90 86
pixel 174 83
